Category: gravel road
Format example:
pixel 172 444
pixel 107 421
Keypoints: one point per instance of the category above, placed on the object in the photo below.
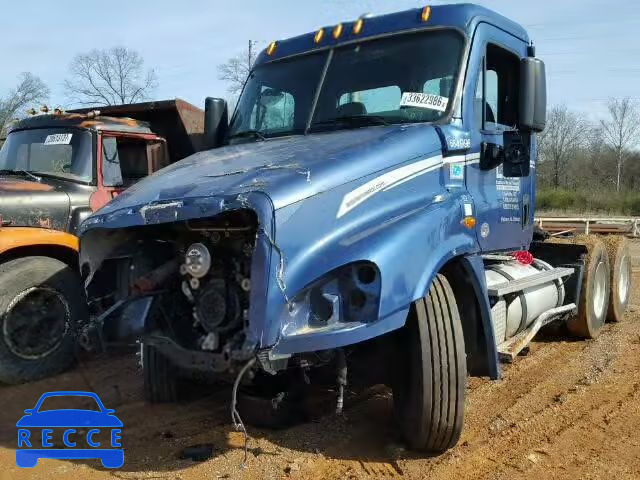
pixel 567 410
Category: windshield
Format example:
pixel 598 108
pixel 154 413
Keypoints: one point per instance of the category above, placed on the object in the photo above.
pixel 400 79
pixel 59 152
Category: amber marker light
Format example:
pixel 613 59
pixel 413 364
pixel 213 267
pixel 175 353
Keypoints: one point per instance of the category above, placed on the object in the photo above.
pixel 358 26
pixel 426 13
pixel 337 31
pixel 319 36
pixel 469 222
pixel 271 49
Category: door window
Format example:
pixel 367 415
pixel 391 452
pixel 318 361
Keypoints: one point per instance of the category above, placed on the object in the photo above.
pixel 496 99
pixel 126 160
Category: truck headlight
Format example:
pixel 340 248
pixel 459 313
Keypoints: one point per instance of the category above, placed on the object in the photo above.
pixel 350 294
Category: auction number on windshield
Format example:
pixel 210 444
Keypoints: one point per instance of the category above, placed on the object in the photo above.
pixel 424 100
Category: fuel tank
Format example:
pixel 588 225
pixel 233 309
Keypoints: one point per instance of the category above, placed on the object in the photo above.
pixel 513 313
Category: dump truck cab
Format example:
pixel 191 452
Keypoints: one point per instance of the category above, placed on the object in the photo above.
pixel 372 205
pixel 56 168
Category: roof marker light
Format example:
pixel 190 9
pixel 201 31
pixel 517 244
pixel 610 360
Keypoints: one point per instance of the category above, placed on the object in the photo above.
pixel 426 13
pixel 357 27
pixel 319 36
pixel 271 49
pixel 337 31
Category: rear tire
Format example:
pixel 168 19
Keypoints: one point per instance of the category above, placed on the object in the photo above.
pixel 41 303
pixel 429 390
pixel 160 377
pixel 621 278
pixel 594 295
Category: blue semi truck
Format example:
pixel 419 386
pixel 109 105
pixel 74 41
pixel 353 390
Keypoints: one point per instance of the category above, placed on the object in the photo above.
pixel 368 208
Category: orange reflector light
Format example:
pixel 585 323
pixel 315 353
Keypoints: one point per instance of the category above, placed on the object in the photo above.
pixel 271 49
pixel 469 222
pixel 357 27
pixel 426 13
pixel 319 36
pixel 337 31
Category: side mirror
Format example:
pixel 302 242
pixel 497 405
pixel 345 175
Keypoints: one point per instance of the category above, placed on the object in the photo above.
pixel 533 95
pixel 216 121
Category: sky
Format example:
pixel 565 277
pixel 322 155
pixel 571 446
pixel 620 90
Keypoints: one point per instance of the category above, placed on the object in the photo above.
pixel 590 47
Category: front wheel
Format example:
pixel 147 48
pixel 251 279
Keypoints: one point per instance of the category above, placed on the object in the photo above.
pixel 431 372
pixel 160 378
pixel 41 301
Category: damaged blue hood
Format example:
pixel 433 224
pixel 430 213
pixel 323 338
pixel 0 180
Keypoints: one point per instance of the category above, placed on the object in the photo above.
pixel 287 169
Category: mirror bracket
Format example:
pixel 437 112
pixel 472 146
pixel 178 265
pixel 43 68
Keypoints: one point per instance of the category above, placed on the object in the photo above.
pixel 516 155
pixel 491 155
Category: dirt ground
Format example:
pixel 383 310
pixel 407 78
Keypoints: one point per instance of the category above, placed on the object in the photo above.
pixel 567 410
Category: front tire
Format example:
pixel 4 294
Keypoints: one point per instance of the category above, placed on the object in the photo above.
pixel 160 378
pixel 41 303
pixel 429 390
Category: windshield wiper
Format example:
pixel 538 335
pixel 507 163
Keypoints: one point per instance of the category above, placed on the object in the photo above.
pixel 20 172
pixel 351 121
pixel 248 133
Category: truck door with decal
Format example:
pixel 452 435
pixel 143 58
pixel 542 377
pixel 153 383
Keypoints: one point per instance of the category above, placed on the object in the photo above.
pixel 502 199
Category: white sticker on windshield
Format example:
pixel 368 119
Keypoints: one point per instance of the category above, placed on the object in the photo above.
pixel 424 100
pixel 58 139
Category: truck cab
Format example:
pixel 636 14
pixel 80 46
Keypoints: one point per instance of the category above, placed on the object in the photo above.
pixel 56 168
pixel 370 209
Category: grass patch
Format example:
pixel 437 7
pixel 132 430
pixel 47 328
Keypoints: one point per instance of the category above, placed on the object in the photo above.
pixel 561 200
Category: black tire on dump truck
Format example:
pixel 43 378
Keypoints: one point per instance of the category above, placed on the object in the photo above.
pixel 41 303
pixel 429 388
pixel 620 280
pixel 594 295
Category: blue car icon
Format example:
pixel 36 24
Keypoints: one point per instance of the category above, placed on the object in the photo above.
pixel 68 419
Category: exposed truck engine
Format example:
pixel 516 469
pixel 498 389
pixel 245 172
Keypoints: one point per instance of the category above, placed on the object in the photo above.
pixel 367 216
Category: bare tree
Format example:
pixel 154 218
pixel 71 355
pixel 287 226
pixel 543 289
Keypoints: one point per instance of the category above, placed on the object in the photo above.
pixel 621 130
pixel 236 70
pixel 565 134
pixel 109 77
pixel 29 91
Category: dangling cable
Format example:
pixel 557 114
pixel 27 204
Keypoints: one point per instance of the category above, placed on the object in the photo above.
pixel 235 416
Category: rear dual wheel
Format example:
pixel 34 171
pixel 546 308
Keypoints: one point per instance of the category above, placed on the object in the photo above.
pixel 620 279
pixel 595 291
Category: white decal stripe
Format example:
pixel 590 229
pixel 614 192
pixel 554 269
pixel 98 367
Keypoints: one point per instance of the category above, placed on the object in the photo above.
pixel 354 198
pixel 397 177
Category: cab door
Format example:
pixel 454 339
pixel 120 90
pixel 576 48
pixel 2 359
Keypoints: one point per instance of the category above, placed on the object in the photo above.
pixel 504 213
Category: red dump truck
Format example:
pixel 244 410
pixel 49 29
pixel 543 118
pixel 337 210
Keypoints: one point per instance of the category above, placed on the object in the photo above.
pixel 56 168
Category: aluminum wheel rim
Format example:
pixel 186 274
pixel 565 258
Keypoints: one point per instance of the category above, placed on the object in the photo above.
pixel 623 281
pixel 599 289
pixel 35 323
